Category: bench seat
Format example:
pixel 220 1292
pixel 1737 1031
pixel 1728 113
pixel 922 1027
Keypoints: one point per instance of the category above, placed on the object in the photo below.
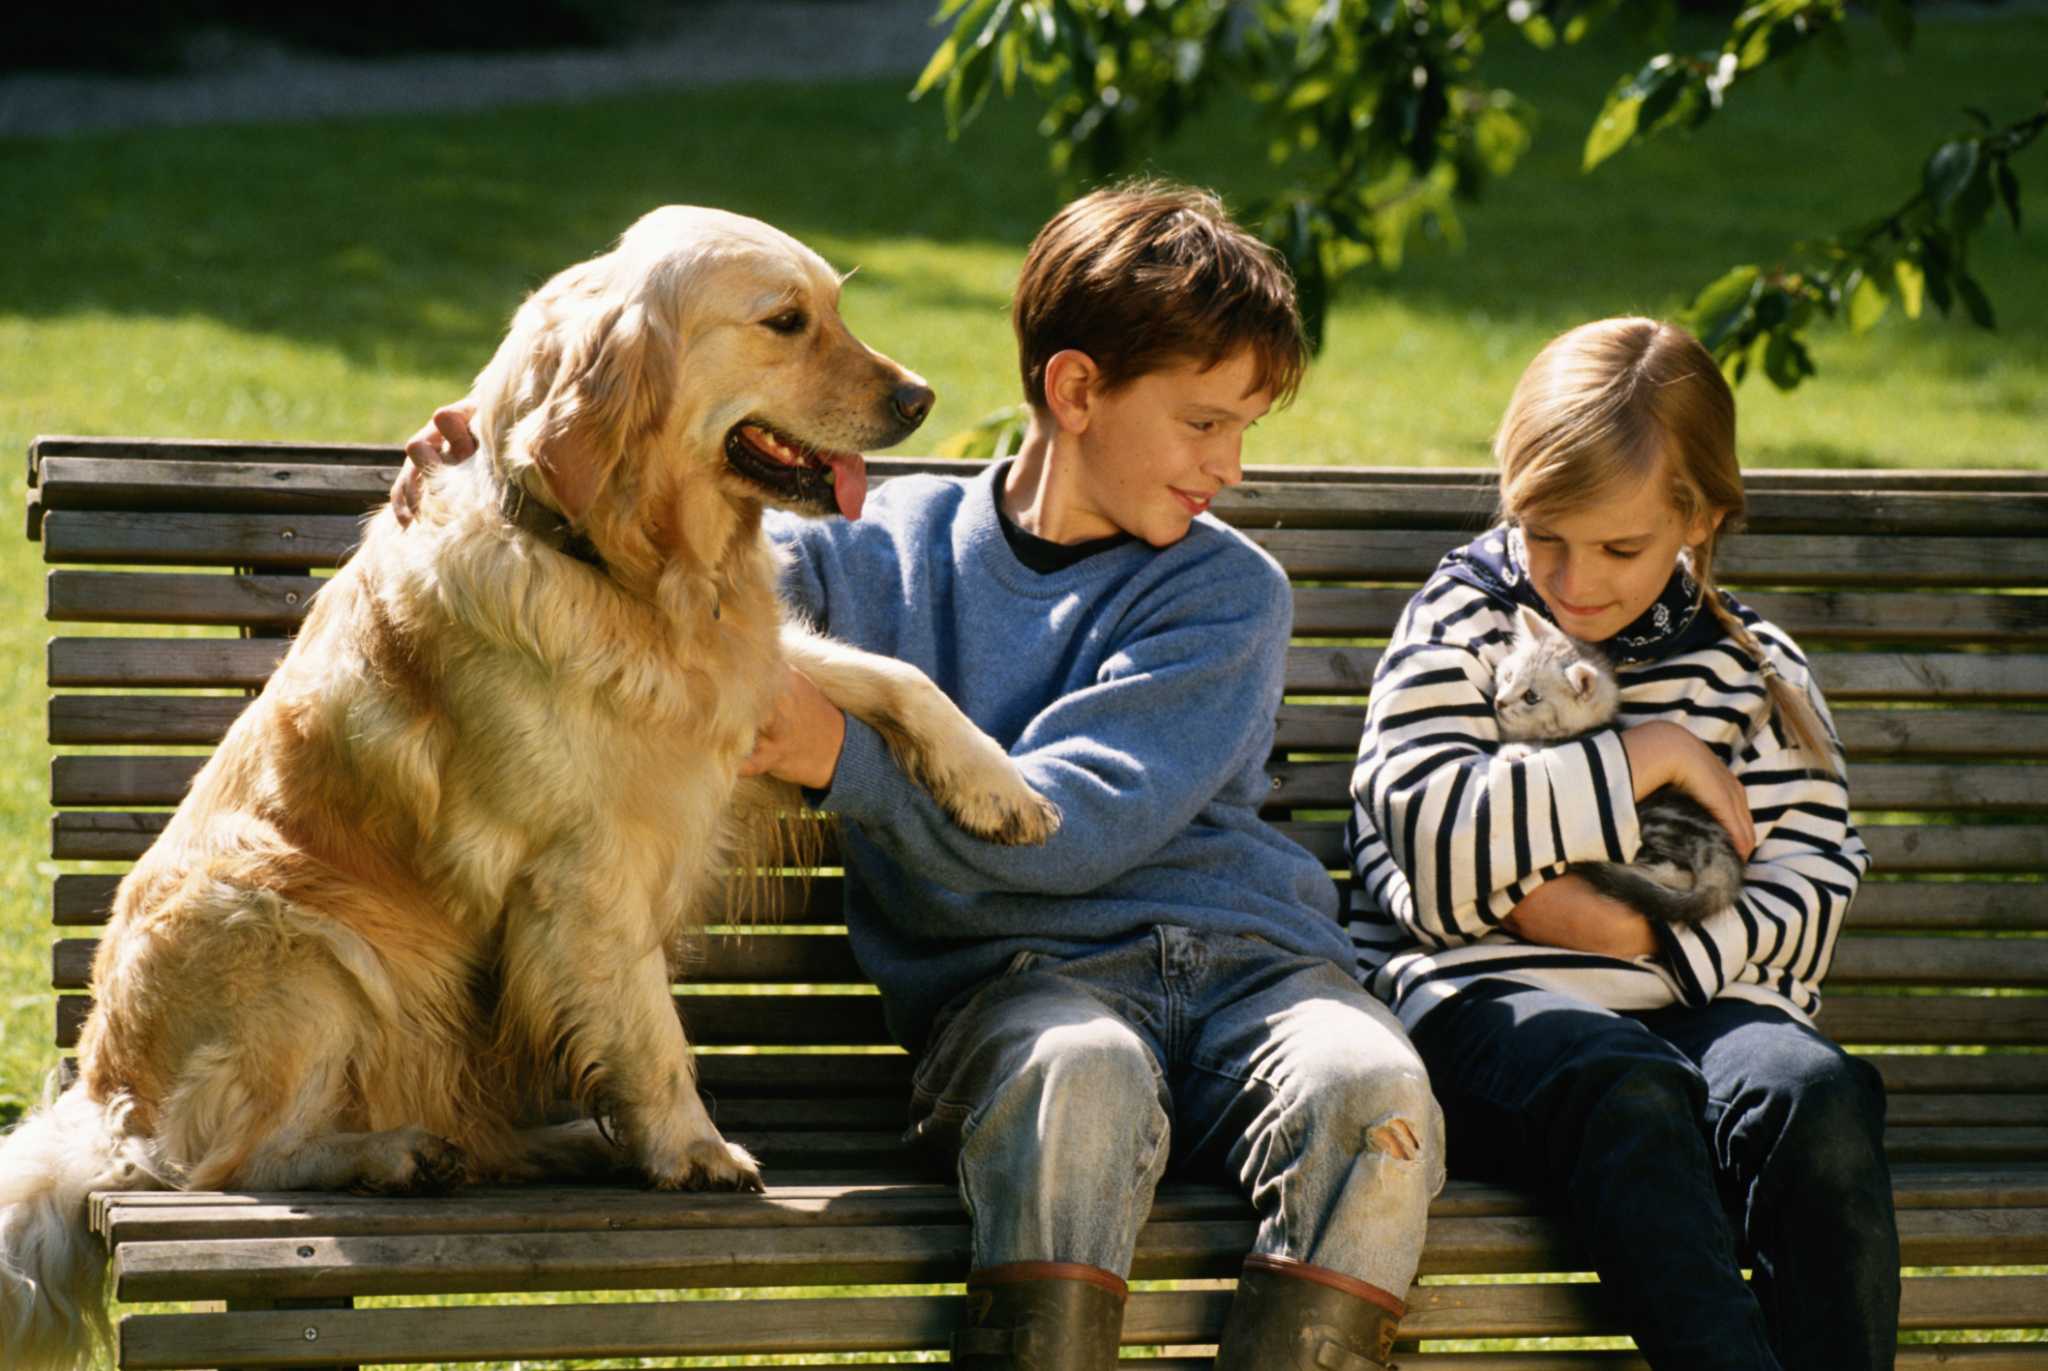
pixel 178 569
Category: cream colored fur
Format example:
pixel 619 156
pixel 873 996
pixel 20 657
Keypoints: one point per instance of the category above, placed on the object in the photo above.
pixel 426 886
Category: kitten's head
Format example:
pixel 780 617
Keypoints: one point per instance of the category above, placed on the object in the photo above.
pixel 1551 685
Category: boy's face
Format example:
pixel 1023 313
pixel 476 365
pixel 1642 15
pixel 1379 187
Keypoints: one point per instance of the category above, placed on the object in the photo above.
pixel 1154 452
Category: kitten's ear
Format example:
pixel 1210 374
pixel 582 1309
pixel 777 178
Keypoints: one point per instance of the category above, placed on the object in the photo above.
pixel 1532 624
pixel 1584 679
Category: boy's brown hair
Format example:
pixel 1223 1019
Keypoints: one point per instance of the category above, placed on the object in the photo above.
pixel 1148 275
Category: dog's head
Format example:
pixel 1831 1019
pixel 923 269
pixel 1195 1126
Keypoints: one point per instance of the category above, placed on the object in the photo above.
pixel 659 394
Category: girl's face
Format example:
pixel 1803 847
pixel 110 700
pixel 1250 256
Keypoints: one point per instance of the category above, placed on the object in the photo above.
pixel 1602 564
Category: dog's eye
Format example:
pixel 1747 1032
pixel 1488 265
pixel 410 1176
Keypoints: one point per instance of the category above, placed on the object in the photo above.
pixel 790 321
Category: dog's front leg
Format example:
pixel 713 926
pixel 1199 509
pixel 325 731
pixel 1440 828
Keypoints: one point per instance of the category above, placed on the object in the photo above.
pixel 939 747
pixel 590 992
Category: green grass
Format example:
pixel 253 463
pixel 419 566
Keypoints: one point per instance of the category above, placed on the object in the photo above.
pixel 336 281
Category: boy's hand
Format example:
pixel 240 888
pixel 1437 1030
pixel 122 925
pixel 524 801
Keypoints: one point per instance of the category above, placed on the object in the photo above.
pixel 449 437
pixel 1567 912
pixel 800 742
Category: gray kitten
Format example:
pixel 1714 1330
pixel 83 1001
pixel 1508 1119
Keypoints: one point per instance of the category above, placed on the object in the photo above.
pixel 1551 687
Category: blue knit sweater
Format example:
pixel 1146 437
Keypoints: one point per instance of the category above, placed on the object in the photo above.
pixel 1136 689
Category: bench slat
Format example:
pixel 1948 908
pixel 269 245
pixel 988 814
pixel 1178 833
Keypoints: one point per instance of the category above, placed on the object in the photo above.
pixel 913 1322
pixel 826 959
pixel 835 1019
pixel 1872 786
pixel 143 780
pixel 1761 559
pixel 1940 677
pixel 113 835
pixel 166 538
pixel 1893 733
pixel 231 662
pixel 380 1263
pixel 1886 905
pixel 166 1216
pixel 1811 617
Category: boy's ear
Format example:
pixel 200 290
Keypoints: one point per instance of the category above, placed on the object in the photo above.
pixel 1071 378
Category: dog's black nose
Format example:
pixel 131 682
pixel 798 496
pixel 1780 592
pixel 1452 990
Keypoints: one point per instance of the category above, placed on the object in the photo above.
pixel 913 402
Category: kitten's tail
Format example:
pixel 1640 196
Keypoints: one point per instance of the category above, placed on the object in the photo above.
pixel 1715 887
pixel 53 1314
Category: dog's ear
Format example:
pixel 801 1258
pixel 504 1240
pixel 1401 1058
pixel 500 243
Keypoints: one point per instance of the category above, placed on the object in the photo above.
pixel 613 379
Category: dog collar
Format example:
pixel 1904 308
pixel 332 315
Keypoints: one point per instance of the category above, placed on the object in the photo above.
pixel 550 527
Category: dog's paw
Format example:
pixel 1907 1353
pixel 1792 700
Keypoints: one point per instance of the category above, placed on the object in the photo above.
pixel 709 1164
pixel 415 1162
pixel 1019 818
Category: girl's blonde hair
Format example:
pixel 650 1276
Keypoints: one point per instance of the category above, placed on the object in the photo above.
pixel 1615 403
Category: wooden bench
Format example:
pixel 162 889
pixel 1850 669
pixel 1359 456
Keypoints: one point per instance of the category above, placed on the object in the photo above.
pixel 1920 594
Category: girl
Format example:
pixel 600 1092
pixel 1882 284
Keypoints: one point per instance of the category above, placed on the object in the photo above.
pixel 1663 1083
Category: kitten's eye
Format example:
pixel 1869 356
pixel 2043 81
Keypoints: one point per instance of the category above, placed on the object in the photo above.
pixel 1531 697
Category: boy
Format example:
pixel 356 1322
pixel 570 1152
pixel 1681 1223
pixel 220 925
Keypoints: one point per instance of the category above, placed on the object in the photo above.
pixel 1160 982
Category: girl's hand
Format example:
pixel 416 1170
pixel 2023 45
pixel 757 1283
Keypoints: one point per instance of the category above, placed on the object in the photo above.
pixel 800 742
pixel 1567 912
pixel 449 437
pixel 1662 753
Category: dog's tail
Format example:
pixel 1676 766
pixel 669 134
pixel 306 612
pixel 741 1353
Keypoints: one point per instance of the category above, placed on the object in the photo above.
pixel 53 1310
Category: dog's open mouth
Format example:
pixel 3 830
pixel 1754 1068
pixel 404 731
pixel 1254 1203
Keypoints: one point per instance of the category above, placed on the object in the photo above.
pixel 795 472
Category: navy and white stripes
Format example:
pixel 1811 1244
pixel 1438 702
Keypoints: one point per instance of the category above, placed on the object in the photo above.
pixel 1446 838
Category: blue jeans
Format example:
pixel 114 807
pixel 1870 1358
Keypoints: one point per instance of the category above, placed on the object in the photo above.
pixel 1062 1091
pixel 1679 1144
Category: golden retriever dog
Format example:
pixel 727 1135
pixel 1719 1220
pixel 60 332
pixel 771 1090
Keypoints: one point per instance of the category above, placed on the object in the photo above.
pixel 426 886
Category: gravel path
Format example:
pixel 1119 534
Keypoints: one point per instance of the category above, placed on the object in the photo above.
pixel 238 82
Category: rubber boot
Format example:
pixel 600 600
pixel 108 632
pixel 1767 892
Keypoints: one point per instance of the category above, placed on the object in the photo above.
pixel 1290 1316
pixel 1041 1316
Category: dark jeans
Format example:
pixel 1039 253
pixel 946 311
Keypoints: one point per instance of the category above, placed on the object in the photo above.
pixel 1681 1144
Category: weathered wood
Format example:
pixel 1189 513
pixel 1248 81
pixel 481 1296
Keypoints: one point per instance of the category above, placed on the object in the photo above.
pixel 1813 617
pixel 173 1216
pixel 244 663
pixel 165 538
pixel 2019 1072
pixel 1872 786
pixel 1745 561
pixel 825 959
pixel 904 1323
pixel 1867 733
pixel 1895 848
pixel 381 1263
pixel 1939 677
pixel 149 483
pixel 1881 905
pixel 129 597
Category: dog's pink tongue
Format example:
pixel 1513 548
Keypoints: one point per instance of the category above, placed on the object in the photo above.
pixel 849 481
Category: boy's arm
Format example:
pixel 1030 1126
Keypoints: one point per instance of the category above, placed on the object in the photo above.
pixel 1130 759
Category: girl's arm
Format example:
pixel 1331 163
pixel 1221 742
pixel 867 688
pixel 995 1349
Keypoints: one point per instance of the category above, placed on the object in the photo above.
pixel 1469 830
pixel 1798 884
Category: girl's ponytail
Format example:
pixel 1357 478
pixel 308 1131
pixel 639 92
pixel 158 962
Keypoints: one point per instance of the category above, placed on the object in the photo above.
pixel 1801 723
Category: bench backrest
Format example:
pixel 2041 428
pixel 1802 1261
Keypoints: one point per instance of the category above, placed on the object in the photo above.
pixel 1921 596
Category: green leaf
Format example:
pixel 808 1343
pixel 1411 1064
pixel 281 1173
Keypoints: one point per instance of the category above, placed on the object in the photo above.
pixel 1912 281
pixel 1975 301
pixel 1949 169
pixel 1867 304
pixel 1615 126
pixel 935 70
pixel 1717 313
pixel 994 435
pixel 2009 191
pixel 1786 361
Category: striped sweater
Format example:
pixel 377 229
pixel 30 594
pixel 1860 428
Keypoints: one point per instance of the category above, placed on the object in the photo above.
pixel 1445 838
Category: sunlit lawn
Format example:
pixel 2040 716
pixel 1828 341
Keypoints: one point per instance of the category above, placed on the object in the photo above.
pixel 336 281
